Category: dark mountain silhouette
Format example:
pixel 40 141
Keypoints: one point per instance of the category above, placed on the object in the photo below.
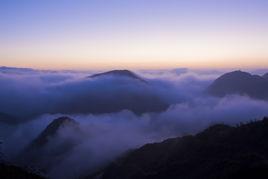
pixel 112 101
pixel 120 73
pixel 242 83
pixel 114 95
pixel 220 151
pixel 8 171
pixel 41 153
pixel 52 129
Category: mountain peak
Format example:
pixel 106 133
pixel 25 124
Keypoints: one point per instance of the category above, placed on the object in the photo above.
pixel 242 83
pixel 236 74
pixel 121 73
pixel 53 128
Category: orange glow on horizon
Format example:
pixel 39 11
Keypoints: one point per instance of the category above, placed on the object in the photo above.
pixel 63 64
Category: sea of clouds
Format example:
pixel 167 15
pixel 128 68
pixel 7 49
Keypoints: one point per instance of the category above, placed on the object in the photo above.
pixel 36 98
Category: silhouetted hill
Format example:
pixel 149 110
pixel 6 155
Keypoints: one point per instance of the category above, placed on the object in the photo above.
pixel 220 151
pixel 14 172
pixel 49 147
pixel 120 73
pixel 125 91
pixel 242 83
pixel 52 129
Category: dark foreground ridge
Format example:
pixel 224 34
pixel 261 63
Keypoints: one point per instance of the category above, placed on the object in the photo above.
pixel 121 73
pixel 241 83
pixel 13 172
pixel 220 151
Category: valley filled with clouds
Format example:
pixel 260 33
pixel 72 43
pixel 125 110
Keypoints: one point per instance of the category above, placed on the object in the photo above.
pixel 113 112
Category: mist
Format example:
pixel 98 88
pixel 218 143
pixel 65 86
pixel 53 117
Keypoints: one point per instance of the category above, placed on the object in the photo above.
pixel 37 98
pixel 33 93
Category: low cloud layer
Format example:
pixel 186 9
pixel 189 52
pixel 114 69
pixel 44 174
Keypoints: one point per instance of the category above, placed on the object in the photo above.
pixel 28 94
pixel 104 137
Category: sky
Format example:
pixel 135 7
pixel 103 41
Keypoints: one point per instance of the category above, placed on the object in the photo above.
pixel 92 34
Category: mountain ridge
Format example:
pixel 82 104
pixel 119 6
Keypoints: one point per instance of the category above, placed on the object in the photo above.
pixel 242 83
pixel 49 147
pixel 121 73
pixel 52 129
pixel 220 151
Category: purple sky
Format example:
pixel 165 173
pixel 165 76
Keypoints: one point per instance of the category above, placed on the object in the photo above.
pixel 134 33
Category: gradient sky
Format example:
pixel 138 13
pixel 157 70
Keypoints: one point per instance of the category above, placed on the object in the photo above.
pixel 84 34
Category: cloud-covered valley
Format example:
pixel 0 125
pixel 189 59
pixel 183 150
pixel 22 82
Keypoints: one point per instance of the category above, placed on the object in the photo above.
pixel 115 113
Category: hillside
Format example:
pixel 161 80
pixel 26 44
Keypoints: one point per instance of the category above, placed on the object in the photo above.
pixel 241 83
pixel 220 151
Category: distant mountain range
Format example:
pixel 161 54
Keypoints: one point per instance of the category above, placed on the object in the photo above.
pixel 241 83
pixel 118 90
pixel 220 151
pixel 8 171
pixel 5 69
